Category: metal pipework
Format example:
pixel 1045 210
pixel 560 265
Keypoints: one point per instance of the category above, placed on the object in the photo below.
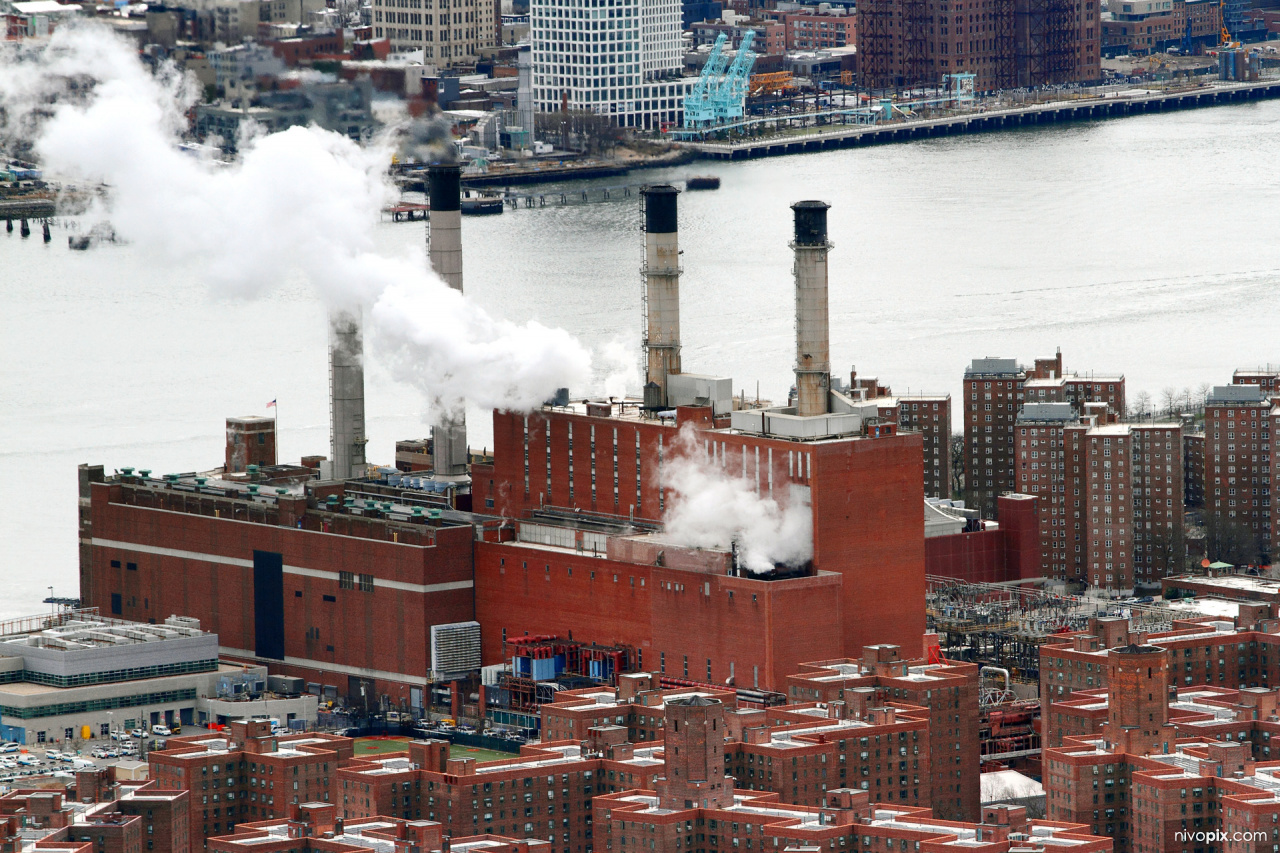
pixel 813 341
pixel 444 248
pixel 662 286
pixel 346 395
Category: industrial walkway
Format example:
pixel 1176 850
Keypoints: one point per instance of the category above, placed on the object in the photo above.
pixel 851 136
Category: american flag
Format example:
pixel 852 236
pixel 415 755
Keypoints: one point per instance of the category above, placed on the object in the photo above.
pixel 271 405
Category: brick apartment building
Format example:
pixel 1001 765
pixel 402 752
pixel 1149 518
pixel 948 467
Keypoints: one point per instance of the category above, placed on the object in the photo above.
pixel 694 805
pixel 1150 766
pixel 1003 43
pixel 1150 26
pixel 1236 654
pixel 948 689
pixel 1240 466
pixel 12 841
pixel 545 792
pixel 316 828
pixel 995 391
pixel 247 774
pixel 869 739
pixel 811 28
pixel 829 736
pixel 1193 467
pixel 1110 494
pixel 927 414
pixel 95 810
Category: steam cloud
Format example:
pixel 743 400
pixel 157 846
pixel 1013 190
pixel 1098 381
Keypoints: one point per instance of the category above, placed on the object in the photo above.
pixel 302 200
pixel 713 509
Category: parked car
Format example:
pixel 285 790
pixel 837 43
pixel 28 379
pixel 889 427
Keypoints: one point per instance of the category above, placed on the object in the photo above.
pixel 8 747
pixel 99 753
pixel 53 755
pixel 159 729
pixel 137 733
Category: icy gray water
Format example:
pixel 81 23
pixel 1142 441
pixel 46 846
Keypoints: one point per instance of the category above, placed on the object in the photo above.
pixel 1145 245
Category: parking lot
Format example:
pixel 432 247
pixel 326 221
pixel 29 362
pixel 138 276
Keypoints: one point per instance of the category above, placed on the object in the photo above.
pixel 30 764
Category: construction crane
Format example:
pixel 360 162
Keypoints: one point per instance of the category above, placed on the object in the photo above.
pixel 720 94
pixel 1225 36
pixel 772 83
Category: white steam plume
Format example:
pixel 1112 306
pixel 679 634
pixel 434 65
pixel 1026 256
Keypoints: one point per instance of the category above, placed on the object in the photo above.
pixel 713 509
pixel 302 200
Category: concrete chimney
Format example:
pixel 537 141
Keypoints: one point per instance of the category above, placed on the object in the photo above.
pixel 813 342
pixel 524 92
pixel 662 290
pixel 346 395
pixel 444 248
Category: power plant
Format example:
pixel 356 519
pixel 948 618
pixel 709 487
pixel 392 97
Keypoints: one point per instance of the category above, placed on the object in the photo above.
pixel 562 533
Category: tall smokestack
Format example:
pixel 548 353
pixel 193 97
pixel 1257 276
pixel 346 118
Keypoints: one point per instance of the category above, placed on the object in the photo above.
pixel 346 395
pixel 444 248
pixel 813 343
pixel 662 290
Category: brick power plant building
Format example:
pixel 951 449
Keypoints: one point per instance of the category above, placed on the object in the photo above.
pixel 364 587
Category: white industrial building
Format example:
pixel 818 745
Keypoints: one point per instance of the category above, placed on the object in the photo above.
pixel 75 675
pixel 620 58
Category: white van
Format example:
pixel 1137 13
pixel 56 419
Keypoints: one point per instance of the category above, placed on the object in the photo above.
pixel 163 731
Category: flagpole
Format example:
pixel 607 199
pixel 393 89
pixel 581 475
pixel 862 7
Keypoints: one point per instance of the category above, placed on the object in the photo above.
pixel 275 426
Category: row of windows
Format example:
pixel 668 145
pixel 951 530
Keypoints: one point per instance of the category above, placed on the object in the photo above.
pixel 163 697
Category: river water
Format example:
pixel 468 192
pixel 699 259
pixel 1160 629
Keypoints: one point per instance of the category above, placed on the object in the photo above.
pixel 1144 245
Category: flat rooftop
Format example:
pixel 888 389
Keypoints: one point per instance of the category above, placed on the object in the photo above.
pixel 86 629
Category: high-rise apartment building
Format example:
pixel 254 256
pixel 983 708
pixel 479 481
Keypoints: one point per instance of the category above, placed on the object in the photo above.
pixel 995 390
pixel 1239 469
pixel 450 33
pixel 618 58
pixel 1110 494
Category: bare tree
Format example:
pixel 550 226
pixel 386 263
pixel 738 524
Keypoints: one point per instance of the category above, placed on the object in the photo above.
pixel 1202 395
pixel 1168 399
pixel 957 464
pixel 1168 553
pixel 1229 541
pixel 1142 405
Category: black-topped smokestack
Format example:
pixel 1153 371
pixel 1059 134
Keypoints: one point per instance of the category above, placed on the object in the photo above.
pixel 811 222
pixel 662 291
pixel 444 183
pixel 660 209
pixel 444 248
pixel 813 345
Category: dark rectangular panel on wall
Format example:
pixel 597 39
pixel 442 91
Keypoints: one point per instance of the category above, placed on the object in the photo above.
pixel 268 605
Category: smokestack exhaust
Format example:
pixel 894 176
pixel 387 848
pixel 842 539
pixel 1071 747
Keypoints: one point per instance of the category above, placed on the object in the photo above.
pixel 444 248
pixel 346 395
pixel 813 342
pixel 662 291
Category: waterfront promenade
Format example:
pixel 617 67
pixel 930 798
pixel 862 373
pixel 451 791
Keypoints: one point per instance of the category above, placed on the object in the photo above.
pixel 1110 105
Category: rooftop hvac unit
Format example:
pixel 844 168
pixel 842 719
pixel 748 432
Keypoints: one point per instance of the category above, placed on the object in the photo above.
pixel 455 650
